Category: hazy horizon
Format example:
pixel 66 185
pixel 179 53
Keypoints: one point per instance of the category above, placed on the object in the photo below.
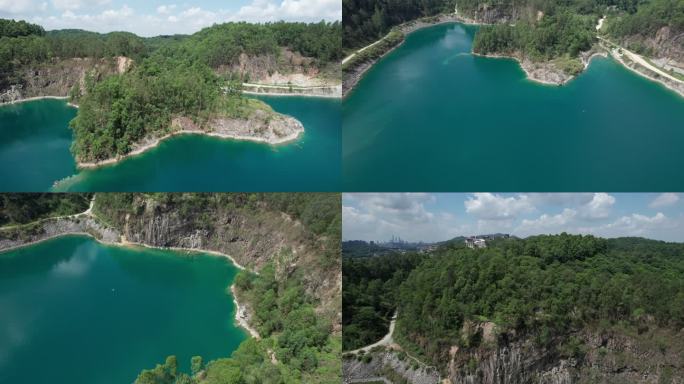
pixel 155 18
pixel 439 217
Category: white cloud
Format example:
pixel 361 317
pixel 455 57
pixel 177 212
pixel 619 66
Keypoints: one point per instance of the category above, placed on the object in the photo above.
pixel 664 200
pixel 311 10
pixel 16 6
pixel 73 5
pixel 599 207
pixel 560 199
pixel 404 207
pixel 546 223
pixel 378 216
pixel 166 18
pixel 166 9
pixel 487 206
pixel 635 225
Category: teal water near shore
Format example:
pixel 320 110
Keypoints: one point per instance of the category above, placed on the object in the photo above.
pixel 34 145
pixel 76 311
pixel 34 162
pixel 430 116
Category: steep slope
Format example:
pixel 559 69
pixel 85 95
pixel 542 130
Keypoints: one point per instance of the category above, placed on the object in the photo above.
pixel 547 309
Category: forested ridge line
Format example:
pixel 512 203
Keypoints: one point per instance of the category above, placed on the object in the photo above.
pixel 544 289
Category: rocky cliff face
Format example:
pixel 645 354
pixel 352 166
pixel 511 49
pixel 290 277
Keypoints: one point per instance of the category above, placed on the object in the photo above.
pixel 287 68
pixel 498 14
pixel 387 365
pixel 605 357
pixel 665 44
pixel 49 228
pixel 251 238
pixel 58 77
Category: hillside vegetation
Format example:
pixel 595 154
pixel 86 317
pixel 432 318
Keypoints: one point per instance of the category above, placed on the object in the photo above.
pixel 546 289
pixel 293 300
pixel 538 30
pixel 22 208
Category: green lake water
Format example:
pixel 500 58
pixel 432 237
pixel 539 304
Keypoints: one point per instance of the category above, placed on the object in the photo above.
pixel 432 117
pixel 75 311
pixel 36 140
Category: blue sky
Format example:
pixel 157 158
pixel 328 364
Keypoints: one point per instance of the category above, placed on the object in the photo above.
pixel 435 217
pixel 151 18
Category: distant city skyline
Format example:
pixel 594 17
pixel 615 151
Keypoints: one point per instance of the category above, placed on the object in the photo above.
pixel 162 17
pixel 416 217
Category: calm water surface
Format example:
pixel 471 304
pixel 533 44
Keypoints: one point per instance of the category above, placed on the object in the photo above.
pixel 34 154
pixel 75 311
pixel 433 117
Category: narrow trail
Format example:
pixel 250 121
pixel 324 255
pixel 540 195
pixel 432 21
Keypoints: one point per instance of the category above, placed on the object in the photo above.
pixel 638 59
pixel 386 341
pixel 346 59
pixel 87 212
pixel 620 51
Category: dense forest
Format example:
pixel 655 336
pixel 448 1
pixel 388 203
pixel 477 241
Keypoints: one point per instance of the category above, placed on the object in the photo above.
pixel 22 208
pixel 543 287
pixel 562 34
pixel 368 20
pixel 124 108
pixel 369 295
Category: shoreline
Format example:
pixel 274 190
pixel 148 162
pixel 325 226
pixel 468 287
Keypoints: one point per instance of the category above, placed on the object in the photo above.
pixel 530 75
pixel 239 319
pixel 284 90
pixel 279 94
pixel 36 98
pixel 406 29
pixel 412 26
pixel 615 56
pixel 156 142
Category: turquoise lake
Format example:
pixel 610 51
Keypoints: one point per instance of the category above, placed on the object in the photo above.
pixel 432 117
pixel 34 154
pixel 75 311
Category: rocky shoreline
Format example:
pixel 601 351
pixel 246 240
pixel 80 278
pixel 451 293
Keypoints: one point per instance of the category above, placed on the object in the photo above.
pixel 331 91
pixel 546 72
pixel 259 128
pixel 541 72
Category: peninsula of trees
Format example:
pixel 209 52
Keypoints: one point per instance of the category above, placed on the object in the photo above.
pixel 131 90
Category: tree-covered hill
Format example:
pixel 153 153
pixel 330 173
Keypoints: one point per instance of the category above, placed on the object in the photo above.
pixel 547 290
